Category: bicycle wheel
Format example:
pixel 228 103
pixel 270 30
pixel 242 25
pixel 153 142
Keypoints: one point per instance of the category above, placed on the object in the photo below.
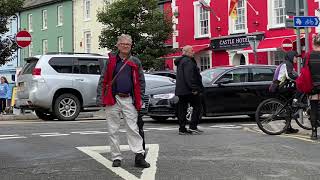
pixel 305 122
pixel 272 116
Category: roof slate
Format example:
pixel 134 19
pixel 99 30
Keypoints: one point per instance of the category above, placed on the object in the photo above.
pixel 29 4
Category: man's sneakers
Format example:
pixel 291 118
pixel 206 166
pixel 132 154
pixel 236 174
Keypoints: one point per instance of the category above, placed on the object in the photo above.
pixel 140 161
pixel 196 131
pixel 185 132
pixel 190 132
pixel 290 130
pixel 116 163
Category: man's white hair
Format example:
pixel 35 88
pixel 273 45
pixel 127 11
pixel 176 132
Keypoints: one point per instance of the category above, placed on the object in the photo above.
pixel 185 49
pixel 124 37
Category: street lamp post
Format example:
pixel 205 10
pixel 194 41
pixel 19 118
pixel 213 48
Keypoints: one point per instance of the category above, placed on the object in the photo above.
pixel 17 25
pixel 254 45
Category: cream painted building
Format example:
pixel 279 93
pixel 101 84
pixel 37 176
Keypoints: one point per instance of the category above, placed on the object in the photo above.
pixel 87 29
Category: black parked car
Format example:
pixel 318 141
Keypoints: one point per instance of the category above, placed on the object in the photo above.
pixel 229 90
pixel 160 99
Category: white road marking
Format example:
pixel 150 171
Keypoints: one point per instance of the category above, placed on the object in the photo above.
pixel 162 129
pixel 8 135
pixel 54 134
pixel 89 132
pixel 11 136
pixel 147 174
pixel 227 126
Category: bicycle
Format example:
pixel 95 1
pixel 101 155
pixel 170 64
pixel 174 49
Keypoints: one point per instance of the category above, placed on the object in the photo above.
pixel 274 115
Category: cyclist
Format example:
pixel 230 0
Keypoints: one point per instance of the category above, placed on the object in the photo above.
pixel 283 81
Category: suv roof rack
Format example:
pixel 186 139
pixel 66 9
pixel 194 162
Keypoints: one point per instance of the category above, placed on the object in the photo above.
pixel 72 53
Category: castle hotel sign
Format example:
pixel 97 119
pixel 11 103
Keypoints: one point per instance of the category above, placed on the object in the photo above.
pixel 233 41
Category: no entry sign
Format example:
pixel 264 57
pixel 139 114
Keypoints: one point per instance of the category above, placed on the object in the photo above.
pixel 287 45
pixel 23 39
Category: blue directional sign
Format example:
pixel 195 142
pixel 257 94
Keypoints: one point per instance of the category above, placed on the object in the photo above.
pixel 305 21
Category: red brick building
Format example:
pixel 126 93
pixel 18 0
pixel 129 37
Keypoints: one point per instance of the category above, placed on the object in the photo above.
pixel 220 40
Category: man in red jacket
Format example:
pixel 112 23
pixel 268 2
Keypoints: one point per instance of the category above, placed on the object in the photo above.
pixel 120 89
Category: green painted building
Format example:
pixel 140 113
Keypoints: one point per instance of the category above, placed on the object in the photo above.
pixel 50 23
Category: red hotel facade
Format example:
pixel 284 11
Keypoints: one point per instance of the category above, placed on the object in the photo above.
pixel 219 40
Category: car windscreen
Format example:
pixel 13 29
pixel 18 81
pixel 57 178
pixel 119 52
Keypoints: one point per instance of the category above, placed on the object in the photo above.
pixel 211 74
pixel 29 66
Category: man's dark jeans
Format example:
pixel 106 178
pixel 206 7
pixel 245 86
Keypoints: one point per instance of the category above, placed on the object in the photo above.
pixel 195 102
pixel 314 116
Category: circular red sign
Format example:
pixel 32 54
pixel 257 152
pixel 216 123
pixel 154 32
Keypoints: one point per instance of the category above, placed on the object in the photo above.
pixel 23 39
pixel 287 45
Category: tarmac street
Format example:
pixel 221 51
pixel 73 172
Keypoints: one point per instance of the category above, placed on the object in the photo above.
pixel 229 148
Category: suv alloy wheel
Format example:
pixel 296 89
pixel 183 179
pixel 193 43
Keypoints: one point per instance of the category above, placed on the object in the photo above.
pixel 66 107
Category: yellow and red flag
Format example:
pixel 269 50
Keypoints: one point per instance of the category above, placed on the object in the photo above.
pixel 233 9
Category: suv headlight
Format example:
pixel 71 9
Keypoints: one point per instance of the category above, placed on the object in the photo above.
pixel 164 96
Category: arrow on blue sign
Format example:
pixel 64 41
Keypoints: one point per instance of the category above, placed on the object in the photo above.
pixel 305 21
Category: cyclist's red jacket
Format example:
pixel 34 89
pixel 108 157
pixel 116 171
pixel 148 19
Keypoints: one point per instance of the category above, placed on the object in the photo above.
pixel 105 97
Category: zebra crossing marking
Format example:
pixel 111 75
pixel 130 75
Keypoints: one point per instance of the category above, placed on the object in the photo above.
pixel 54 134
pixel 11 136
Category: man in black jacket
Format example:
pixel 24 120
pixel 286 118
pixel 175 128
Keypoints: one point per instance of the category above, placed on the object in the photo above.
pixel 188 88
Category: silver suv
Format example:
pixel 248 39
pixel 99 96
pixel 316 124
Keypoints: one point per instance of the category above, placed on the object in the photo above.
pixel 59 85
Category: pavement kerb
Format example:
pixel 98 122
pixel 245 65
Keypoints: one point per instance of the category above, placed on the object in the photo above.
pixel 31 116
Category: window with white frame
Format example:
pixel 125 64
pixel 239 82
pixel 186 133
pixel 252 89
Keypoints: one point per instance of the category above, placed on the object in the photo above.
pixel 276 13
pixel 205 62
pixel 60 44
pixel 87 6
pixel 60 15
pixel 87 42
pixel 277 57
pixel 202 20
pixel 30 22
pixel 30 50
pixel 240 22
pixel 44 19
pixel 44 46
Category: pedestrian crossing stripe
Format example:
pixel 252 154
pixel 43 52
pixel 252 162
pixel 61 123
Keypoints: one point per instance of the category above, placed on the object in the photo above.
pixel 227 126
pixel 147 173
pixel 89 132
pixel 54 134
pixel 11 136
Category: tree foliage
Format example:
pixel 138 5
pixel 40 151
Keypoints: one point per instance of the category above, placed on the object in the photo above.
pixel 143 20
pixel 8 9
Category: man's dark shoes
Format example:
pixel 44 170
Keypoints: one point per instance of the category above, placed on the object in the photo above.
pixel 116 163
pixel 291 131
pixel 314 136
pixel 185 132
pixel 141 162
pixel 196 131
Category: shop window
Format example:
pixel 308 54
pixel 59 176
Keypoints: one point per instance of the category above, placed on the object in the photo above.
pixel 205 62
pixel 277 57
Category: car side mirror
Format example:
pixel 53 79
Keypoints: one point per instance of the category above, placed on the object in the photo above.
pixel 224 81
